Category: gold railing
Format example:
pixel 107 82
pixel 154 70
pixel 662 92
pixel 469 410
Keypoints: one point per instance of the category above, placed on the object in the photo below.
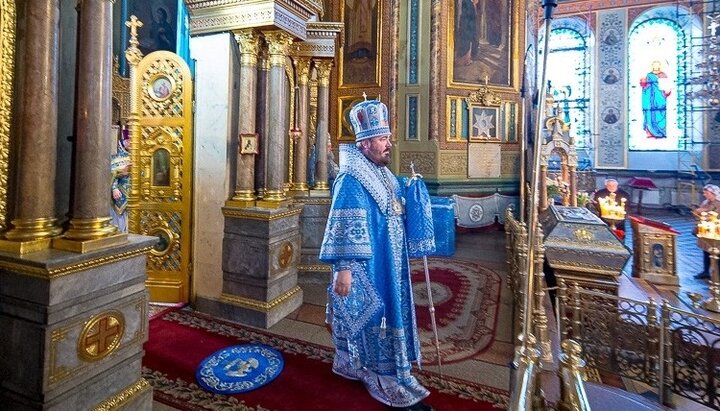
pixel 534 350
pixel 672 350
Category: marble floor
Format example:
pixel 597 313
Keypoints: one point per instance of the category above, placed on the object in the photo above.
pixel 492 366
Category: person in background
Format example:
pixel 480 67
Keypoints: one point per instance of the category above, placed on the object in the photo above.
pixel 370 301
pixel 120 167
pixel 611 186
pixel 711 192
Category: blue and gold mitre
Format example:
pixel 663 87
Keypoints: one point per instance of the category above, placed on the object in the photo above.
pixel 119 161
pixel 369 119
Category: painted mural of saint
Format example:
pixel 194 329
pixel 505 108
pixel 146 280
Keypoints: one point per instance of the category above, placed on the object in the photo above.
pixel 360 28
pixel 655 91
pixel 466 33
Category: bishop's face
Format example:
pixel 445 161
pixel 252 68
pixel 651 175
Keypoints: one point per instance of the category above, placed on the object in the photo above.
pixel 377 150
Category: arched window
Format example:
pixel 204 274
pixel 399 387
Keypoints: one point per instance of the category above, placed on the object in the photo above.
pixel 658 64
pixel 569 72
pixel 654 46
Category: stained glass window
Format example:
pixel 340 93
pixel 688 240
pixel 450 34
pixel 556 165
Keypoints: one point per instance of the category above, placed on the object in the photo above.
pixel 654 73
pixel 569 74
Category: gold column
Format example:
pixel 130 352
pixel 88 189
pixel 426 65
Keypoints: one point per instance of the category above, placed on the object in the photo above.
pixel 302 67
pixel 278 43
pixel 542 189
pixel 35 222
pixel 323 68
pixel 90 227
pixel 249 43
pixel 573 185
pixel 133 55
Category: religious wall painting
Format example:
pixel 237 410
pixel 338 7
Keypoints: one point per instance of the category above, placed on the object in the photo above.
pixel 345 131
pixel 160 24
pixel 611 76
pixel 482 42
pixel 360 60
pixel 161 87
pixel 483 123
pixel 248 144
pixel 161 168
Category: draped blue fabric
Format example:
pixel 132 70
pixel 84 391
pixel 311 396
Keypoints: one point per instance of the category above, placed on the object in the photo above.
pixel 654 103
pixel 374 327
pixel 419 219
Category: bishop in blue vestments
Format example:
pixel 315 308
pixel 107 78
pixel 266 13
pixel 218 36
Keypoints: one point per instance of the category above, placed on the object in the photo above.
pixel 370 302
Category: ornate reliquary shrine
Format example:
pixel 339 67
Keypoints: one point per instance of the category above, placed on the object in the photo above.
pixel 654 256
pixel 581 248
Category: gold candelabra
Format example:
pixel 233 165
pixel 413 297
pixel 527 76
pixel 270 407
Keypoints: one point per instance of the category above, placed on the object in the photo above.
pixel 610 211
pixel 708 232
pixel 610 208
pixel 709 226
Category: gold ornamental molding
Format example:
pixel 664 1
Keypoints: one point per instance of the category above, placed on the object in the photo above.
pixel 315 268
pixel 250 215
pixel 286 255
pixel 321 40
pixel 484 97
pixel 127 395
pixel 7 69
pixel 213 16
pixel 49 273
pixel 313 200
pixel 257 305
pixel 101 336
pixel 63 366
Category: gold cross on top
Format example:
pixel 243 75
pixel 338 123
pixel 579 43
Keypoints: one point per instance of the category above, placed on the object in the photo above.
pixel 134 24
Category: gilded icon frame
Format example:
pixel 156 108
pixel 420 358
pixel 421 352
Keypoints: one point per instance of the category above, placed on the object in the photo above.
pixel 249 143
pixel 507 75
pixel 161 87
pixel 345 77
pixel 490 131
pixel 344 127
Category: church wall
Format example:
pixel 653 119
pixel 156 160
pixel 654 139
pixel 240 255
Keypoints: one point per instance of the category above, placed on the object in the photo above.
pixel 217 68
pixel 612 157
pixel 415 61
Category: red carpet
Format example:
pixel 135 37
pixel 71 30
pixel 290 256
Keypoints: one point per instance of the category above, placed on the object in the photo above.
pixel 466 298
pixel 180 340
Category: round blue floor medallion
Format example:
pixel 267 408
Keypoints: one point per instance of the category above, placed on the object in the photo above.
pixel 239 368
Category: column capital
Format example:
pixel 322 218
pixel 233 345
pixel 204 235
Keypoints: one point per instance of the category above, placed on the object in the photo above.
pixel 323 68
pixel 278 43
pixel 249 42
pixel 302 65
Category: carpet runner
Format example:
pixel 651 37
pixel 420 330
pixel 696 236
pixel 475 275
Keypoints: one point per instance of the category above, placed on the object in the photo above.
pixel 181 339
pixel 466 297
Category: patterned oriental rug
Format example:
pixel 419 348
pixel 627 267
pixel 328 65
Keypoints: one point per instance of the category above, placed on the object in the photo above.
pixel 466 298
pixel 181 339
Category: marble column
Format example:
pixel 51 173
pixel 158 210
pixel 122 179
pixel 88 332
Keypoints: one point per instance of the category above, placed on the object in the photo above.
pixel 323 68
pixel 262 122
pixel 249 43
pixel 302 67
pixel 275 162
pixel 35 221
pixel 90 226
pixel 435 90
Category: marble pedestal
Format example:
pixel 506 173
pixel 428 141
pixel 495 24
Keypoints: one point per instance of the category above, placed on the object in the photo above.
pixel 312 229
pixel 73 326
pixel 261 249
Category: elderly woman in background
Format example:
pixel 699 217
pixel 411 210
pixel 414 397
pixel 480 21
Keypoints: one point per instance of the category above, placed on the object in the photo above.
pixel 711 192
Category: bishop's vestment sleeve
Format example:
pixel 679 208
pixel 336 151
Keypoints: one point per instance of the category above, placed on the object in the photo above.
pixel 347 234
